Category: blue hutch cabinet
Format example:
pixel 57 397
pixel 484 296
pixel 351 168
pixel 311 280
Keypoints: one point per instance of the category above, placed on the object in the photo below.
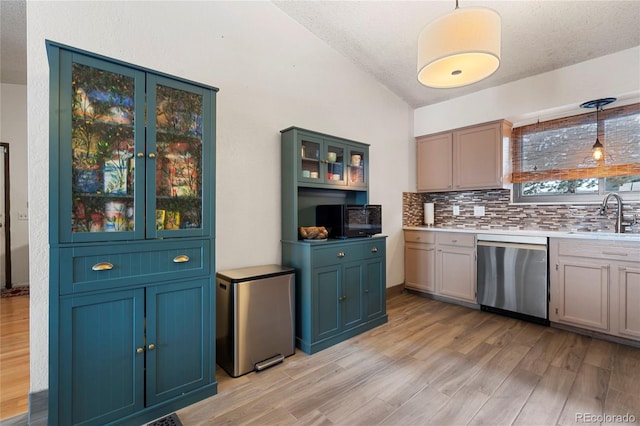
pixel 340 284
pixel 131 241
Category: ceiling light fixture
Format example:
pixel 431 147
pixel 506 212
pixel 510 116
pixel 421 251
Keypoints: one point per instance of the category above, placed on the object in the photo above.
pixel 597 150
pixel 460 48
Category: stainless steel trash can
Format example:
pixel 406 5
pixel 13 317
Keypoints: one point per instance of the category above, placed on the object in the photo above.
pixel 254 317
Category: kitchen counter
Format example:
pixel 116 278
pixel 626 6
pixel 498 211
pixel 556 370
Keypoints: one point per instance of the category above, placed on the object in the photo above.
pixel 610 236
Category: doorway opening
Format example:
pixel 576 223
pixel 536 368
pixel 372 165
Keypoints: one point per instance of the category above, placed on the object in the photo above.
pixel 5 218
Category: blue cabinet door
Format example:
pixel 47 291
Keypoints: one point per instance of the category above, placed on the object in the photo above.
pixel 102 357
pixel 179 179
pixel 177 338
pixel 326 309
pixel 375 289
pixel 352 308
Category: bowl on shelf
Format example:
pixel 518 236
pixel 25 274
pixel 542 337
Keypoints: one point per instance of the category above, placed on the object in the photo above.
pixel 332 157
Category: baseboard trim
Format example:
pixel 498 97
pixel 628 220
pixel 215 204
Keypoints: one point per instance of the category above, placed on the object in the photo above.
pixel 395 290
pixel 441 298
pixel 38 407
pixel 591 333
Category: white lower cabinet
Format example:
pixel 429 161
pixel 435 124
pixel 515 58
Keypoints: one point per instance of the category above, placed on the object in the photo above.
pixel 441 263
pixel 596 285
pixel 583 294
pixel 456 272
pixel 420 261
pixel 629 297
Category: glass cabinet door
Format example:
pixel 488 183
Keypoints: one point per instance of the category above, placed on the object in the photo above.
pixel 105 124
pixel 310 152
pixel 335 160
pixel 356 167
pixel 175 146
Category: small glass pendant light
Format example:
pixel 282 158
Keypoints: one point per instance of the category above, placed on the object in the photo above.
pixel 597 150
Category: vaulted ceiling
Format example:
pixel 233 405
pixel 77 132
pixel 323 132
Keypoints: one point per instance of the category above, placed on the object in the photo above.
pixel 380 37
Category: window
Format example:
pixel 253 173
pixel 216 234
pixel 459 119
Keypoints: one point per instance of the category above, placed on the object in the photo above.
pixel 552 160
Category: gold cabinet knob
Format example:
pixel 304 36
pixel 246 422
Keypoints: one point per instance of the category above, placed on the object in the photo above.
pixel 340 254
pixel 139 350
pixel 152 155
pixel 374 249
pixel 152 346
pixel 140 154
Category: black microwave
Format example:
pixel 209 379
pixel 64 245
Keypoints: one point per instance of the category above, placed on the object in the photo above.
pixel 350 220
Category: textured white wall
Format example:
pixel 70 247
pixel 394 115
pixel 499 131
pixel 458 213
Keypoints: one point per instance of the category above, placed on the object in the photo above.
pixel 555 92
pixel 272 74
pixel 13 130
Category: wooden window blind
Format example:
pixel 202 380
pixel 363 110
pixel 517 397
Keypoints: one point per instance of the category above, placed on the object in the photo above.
pixel 561 149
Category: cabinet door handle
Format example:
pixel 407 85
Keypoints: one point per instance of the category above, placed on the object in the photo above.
pixel 454 241
pixel 340 254
pixel 140 154
pixel 152 155
pixel 152 347
pixel 341 298
pixel 374 250
pixel 181 258
pixel 139 350
pixel 102 266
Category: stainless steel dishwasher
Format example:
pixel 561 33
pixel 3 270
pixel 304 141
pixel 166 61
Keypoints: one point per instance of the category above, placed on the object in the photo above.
pixel 254 317
pixel 513 276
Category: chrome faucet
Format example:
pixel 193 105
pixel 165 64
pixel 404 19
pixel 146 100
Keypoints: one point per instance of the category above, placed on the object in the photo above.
pixel 619 217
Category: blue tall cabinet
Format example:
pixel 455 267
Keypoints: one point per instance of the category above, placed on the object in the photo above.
pixel 340 284
pixel 132 158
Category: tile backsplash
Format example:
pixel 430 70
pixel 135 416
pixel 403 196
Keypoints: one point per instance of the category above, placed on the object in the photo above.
pixel 500 214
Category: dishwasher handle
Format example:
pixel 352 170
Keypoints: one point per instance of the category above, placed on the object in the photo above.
pixel 512 245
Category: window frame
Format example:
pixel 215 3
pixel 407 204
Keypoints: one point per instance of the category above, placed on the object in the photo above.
pixel 518 197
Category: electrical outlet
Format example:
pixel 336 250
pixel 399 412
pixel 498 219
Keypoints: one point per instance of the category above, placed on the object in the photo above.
pixel 23 216
pixel 456 210
pixel 478 210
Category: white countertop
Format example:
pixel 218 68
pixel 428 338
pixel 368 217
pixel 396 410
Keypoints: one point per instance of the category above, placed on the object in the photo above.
pixel 535 233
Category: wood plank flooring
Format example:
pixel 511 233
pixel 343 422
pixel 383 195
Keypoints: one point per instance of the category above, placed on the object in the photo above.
pixel 436 364
pixel 432 364
pixel 14 356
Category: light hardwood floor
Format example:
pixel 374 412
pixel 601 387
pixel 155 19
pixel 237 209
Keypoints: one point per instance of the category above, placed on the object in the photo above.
pixel 14 356
pixel 436 363
pixel 433 363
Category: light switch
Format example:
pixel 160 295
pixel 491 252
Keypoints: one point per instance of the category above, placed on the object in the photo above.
pixel 478 210
pixel 456 210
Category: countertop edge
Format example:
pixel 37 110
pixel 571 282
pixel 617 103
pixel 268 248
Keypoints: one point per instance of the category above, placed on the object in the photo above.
pixel 536 233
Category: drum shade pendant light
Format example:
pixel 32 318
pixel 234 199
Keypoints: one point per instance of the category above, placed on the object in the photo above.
pixel 460 48
pixel 597 150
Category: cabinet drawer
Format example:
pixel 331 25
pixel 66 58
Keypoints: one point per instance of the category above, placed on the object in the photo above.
pixel 374 249
pixel 455 239
pixel 420 237
pixel 623 250
pixel 336 254
pixel 108 266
